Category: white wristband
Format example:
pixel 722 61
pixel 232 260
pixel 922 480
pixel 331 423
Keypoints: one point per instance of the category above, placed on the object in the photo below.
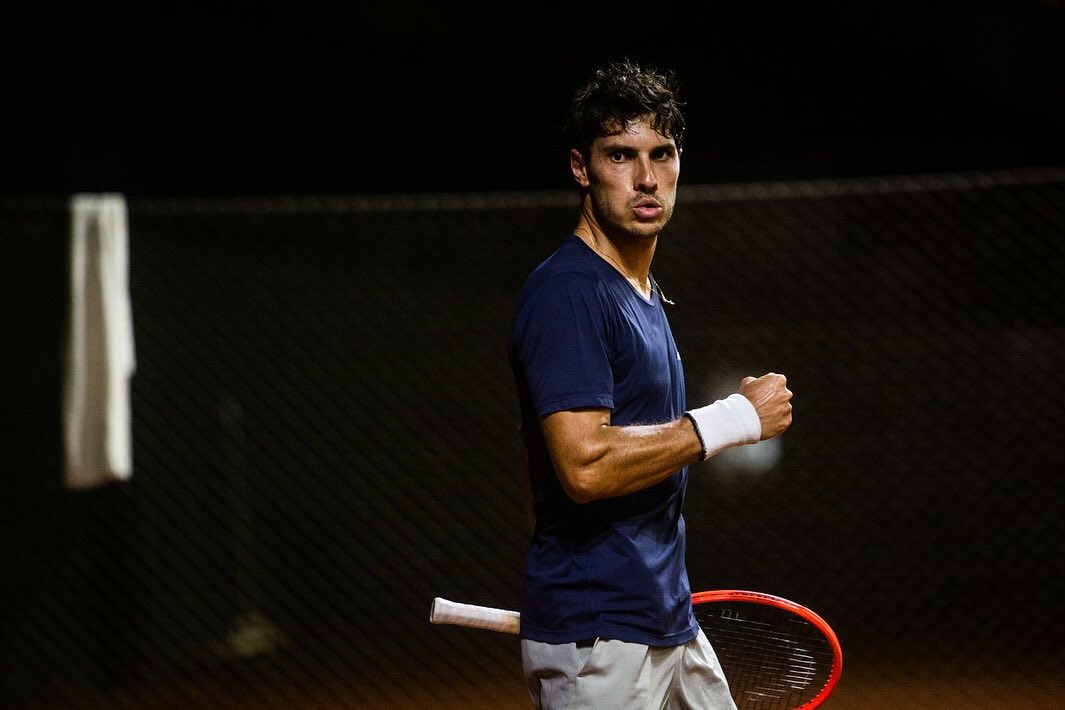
pixel 727 422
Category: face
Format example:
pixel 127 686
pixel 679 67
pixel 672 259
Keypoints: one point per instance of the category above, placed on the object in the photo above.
pixel 631 179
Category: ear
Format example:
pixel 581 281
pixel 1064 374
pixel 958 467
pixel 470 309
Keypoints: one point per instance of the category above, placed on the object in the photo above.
pixel 578 167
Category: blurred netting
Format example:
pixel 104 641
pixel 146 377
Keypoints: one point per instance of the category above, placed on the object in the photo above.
pixel 324 436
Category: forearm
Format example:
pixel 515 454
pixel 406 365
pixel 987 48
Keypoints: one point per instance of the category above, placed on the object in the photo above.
pixel 612 461
pixel 594 459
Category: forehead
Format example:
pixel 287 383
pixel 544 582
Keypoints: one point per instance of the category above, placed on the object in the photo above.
pixel 635 133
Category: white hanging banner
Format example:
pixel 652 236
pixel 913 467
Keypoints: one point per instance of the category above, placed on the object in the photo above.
pixel 100 356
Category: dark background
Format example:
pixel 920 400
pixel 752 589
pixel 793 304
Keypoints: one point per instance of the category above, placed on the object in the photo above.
pixel 323 414
pixel 409 96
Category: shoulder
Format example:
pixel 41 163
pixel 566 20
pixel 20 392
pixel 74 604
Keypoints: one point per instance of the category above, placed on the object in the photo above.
pixel 567 293
pixel 572 267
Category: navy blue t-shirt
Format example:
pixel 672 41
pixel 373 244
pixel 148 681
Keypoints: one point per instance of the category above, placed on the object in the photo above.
pixel 582 336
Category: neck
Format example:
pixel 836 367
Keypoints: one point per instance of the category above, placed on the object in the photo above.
pixel 630 257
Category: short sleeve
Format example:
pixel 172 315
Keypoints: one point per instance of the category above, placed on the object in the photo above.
pixel 561 342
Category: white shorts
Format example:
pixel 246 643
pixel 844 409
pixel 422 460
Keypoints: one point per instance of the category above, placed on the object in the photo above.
pixel 617 675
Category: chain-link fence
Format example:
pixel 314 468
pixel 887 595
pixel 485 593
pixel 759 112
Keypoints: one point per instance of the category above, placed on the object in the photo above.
pixel 325 431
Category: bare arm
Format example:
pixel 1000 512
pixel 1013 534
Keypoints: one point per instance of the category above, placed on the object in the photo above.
pixel 595 459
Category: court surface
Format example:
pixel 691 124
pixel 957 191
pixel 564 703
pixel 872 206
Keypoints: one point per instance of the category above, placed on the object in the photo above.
pixel 862 687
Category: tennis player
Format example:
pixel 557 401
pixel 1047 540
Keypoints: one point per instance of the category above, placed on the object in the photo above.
pixel 607 436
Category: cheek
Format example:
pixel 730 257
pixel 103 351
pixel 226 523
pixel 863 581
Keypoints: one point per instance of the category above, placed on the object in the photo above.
pixel 608 188
pixel 667 187
pixel 604 203
pixel 671 176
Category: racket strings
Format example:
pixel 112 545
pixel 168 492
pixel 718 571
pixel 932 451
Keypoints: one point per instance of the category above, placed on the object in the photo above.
pixel 772 659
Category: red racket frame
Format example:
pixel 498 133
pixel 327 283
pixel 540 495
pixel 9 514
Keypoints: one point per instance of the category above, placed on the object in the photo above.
pixel 740 595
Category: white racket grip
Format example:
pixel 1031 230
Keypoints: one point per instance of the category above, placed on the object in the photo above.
pixel 480 617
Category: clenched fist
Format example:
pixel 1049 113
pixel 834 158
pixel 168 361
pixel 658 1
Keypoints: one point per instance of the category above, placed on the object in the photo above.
pixel 771 399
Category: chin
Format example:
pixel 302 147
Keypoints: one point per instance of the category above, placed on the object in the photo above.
pixel 647 230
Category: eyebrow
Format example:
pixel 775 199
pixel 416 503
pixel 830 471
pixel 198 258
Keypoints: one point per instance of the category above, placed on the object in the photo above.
pixel 615 145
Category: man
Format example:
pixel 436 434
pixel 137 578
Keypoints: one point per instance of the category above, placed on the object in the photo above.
pixel 607 437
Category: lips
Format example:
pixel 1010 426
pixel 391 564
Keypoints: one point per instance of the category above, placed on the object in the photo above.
pixel 647 209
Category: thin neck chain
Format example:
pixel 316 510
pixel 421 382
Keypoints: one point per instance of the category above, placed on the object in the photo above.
pixel 658 288
pixel 654 284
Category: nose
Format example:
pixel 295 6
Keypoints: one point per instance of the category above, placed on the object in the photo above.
pixel 645 180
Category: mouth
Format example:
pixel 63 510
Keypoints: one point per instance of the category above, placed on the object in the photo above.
pixel 647 208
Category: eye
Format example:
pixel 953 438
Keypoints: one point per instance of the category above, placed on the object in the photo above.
pixel 664 153
pixel 617 156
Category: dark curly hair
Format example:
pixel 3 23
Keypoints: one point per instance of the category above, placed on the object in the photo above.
pixel 619 93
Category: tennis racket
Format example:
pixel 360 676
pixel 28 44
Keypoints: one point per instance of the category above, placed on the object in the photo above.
pixel 776 654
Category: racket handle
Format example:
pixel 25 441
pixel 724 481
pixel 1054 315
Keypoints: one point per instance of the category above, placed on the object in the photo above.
pixel 480 617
